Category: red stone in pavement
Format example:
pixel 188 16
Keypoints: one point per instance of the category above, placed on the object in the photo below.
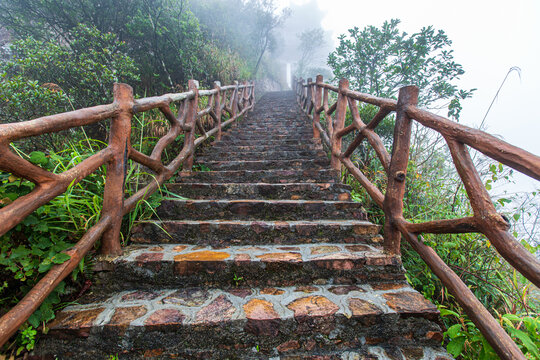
pixel 156 248
pixel 281 225
pixel 187 297
pixel 382 260
pixel 262 318
pixel 165 317
pixel 313 306
pixel 337 261
pixel 364 309
pixel 179 248
pixel 240 258
pixel 221 309
pixel 435 335
pixel 75 319
pixel 243 293
pixel 344 197
pixel 259 227
pixel 125 315
pixel 288 346
pixel 149 257
pixel 357 248
pixel 387 286
pixel 412 303
pixel 289 248
pixel 272 291
pixel 345 289
pixel 281 257
pixel 306 289
pixel 140 295
pixel 324 249
pixel 252 249
pixel 338 256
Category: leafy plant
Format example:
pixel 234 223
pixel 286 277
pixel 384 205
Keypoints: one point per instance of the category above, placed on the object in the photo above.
pixel 237 279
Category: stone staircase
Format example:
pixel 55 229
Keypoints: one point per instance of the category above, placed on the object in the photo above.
pixel 266 258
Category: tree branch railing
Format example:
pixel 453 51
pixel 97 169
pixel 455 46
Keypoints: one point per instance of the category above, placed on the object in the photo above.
pixel 115 156
pixel 314 99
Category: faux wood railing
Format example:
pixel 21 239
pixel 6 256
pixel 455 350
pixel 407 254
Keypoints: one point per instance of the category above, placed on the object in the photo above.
pixel 313 97
pixel 235 100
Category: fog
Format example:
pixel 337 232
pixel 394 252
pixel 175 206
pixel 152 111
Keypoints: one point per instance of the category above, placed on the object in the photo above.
pixel 489 37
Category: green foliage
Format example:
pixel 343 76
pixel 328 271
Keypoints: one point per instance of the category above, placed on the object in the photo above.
pixel 84 70
pixel 38 242
pixel 27 339
pixel 465 340
pixel 164 38
pixel 23 99
pixel 379 61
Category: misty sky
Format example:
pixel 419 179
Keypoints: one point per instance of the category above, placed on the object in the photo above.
pixel 488 38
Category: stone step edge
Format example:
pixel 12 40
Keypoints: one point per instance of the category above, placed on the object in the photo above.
pixel 372 229
pixel 213 306
pixel 264 201
pixel 254 253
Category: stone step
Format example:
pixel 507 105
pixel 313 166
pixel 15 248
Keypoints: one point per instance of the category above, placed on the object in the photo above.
pixel 296 164
pixel 256 209
pixel 287 191
pixel 262 176
pixel 269 135
pixel 264 155
pixel 290 123
pixel 263 148
pixel 271 131
pixel 265 142
pixel 237 232
pixel 263 137
pixel 155 266
pixel 381 321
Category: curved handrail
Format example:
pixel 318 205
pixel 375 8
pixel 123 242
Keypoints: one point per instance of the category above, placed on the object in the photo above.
pixel 240 99
pixel 485 220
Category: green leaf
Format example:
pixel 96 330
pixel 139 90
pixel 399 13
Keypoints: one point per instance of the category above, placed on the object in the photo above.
pixel 38 158
pixel 526 340
pixel 60 258
pixel 35 318
pixel 454 330
pixel 455 347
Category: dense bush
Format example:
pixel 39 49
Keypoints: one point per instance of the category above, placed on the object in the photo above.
pixel 85 70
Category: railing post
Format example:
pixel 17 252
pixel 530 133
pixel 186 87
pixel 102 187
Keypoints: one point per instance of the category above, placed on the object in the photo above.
pixel 252 96
pixel 305 95
pixel 246 94
pixel 316 105
pixel 339 123
pixel 217 107
pixel 308 95
pixel 234 100
pixel 113 195
pixel 191 117
pixel 397 172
